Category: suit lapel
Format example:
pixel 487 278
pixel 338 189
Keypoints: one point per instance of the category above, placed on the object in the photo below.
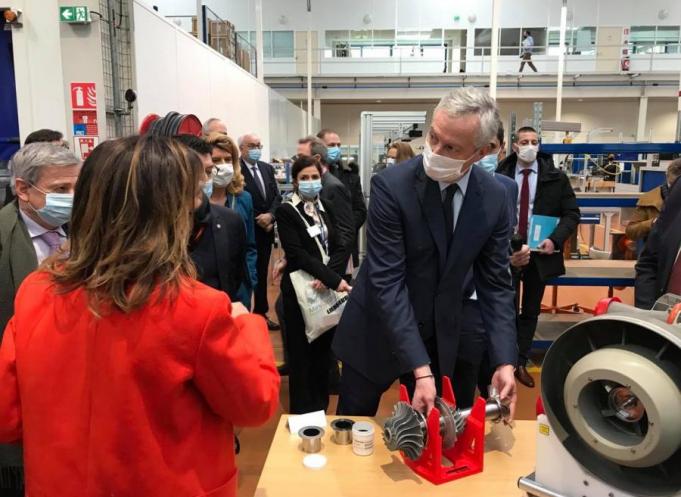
pixel 254 189
pixel 469 216
pixel 670 245
pixel 428 193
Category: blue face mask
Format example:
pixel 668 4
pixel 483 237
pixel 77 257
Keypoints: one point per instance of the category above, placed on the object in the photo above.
pixel 57 209
pixel 208 188
pixel 333 154
pixel 254 154
pixel 310 189
pixel 488 163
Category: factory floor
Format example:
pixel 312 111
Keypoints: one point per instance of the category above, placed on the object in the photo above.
pixel 255 442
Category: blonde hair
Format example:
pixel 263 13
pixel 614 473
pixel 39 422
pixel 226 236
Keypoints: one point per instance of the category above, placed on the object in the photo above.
pixel 131 222
pixel 404 151
pixel 226 144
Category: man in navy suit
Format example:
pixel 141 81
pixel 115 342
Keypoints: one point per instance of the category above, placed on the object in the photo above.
pixel 430 221
pixel 262 186
pixel 472 367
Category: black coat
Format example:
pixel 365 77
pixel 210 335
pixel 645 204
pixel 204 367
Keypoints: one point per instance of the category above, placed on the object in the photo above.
pixel 262 205
pixel 554 197
pixel 337 199
pixel 349 176
pixel 221 246
pixel 655 263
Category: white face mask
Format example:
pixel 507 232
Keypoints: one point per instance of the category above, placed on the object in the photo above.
pixel 441 168
pixel 224 175
pixel 390 161
pixel 528 153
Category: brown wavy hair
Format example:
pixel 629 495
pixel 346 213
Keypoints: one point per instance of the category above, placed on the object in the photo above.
pixel 226 144
pixel 404 151
pixel 132 218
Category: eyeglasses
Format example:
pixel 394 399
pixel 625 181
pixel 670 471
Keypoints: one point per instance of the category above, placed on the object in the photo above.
pixel 253 146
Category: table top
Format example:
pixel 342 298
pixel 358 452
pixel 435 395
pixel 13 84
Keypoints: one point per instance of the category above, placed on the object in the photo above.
pixel 384 474
pixel 596 272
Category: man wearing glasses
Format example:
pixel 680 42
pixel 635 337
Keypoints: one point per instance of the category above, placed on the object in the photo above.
pixel 262 186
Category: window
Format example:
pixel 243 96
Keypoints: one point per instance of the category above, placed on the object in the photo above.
pixel 483 41
pixel 667 39
pixel 584 41
pixel 276 44
pixel 509 41
pixel 642 39
pixel 539 37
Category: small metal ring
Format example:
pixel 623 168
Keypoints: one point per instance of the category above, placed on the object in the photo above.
pixel 312 438
pixel 342 431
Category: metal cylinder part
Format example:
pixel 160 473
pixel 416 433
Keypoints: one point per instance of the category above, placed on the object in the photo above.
pixel 363 438
pixel 312 439
pixel 342 431
pixel 537 489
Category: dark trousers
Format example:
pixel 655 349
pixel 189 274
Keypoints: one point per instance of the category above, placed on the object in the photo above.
pixel 527 58
pixel 530 307
pixel 264 243
pixel 471 362
pixel 359 396
pixel 308 362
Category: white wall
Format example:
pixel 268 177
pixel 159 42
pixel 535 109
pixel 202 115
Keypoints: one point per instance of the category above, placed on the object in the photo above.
pixel 287 125
pixel 38 67
pixel 188 77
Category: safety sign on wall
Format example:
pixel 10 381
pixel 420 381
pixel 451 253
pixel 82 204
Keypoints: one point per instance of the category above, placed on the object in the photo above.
pixel 84 145
pixel 83 96
pixel 85 123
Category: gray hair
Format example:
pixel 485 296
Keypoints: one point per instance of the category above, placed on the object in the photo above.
pixel 206 125
pixel 242 138
pixel 471 100
pixel 317 147
pixel 28 161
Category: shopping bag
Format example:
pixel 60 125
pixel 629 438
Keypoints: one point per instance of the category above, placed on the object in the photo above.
pixel 321 309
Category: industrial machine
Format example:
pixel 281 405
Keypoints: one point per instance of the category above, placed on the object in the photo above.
pixel 608 420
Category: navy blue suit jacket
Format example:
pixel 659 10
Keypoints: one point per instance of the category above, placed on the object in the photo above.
pixel 410 288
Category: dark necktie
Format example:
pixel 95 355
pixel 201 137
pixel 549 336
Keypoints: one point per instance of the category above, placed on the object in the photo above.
pixel 674 285
pixel 258 180
pixel 53 241
pixel 448 210
pixel 524 204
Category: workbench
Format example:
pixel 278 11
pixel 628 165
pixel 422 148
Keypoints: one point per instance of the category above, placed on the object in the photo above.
pixel 383 474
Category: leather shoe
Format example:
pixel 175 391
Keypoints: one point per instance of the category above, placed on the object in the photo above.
pixel 524 377
pixel 272 326
pixel 283 370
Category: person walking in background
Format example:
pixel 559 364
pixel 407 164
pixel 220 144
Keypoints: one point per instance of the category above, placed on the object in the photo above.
pixel 309 237
pixel 119 372
pixel 526 56
pixel 399 152
pixel 262 185
pixel 228 191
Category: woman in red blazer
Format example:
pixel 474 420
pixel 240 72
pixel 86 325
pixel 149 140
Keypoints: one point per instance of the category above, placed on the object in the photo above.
pixel 119 373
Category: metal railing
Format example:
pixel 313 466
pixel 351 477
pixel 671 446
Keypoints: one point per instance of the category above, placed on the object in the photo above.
pixel 401 60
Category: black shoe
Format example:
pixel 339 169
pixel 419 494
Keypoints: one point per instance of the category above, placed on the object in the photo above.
pixel 283 370
pixel 272 326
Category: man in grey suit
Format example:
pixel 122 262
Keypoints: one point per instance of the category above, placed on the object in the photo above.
pixel 31 229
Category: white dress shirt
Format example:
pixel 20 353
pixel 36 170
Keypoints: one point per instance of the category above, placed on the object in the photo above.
pixel 35 231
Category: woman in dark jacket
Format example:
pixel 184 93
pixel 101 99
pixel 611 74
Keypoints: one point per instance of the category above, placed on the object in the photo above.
pixel 308 237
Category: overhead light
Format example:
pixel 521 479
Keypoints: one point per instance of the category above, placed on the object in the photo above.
pixel 662 14
pixel 577 76
pixel 367 19
pixel 580 100
pixel 283 20
pixel 472 18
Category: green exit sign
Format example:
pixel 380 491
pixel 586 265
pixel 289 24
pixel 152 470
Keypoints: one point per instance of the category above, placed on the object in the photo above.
pixel 74 14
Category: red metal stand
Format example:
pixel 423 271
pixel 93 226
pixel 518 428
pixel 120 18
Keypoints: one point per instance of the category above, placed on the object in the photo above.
pixel 465 458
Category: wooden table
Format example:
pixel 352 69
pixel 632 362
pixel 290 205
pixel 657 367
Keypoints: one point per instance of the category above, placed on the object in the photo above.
pixel 383 474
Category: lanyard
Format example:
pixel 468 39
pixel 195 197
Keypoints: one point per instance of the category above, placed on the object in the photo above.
pixel 323 249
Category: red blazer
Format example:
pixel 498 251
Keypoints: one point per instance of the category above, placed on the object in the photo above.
pixel 137 405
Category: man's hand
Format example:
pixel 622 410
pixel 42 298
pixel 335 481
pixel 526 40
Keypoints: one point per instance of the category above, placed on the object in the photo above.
pixel 264 220
pixel 279 268
pixel 238 309
pixel 521 257
pixel 546 247
pixel 318 285
pixel 504 383
pixel 425 391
